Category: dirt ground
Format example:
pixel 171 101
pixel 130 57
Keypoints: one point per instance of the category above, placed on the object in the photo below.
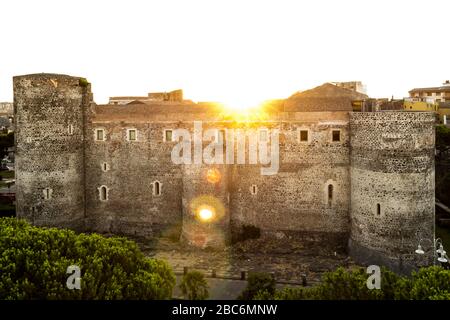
pixel 288 261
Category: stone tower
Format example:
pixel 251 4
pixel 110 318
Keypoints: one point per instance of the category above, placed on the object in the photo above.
pixel 50 112
pixel 392 187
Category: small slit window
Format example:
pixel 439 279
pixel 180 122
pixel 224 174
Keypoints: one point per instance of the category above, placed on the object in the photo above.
pixel 254 189
pixel 336 135
pixel 156 188
pixel 168 137
pixel 378 209
pixel 330 194
pixel 105 166
pixel 303 135
pixel 103 193
pixel 99 134
pixel 70 129
pixel 47 193
pixel 131 134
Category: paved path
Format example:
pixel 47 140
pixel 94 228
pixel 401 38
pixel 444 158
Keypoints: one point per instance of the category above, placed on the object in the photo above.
pixel 222 289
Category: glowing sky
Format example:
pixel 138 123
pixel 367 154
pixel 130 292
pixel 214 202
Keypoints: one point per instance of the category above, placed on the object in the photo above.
pixel 231 51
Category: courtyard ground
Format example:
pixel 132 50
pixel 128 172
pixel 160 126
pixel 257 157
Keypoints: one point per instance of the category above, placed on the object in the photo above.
pixel 290 263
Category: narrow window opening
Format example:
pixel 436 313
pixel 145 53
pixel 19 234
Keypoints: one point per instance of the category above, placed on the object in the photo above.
pixel 99 135
pixel 47 193
pixel 105 166
pixel 70 129
pixel 336 135
pixel 168 136
pixel 103 193
pixel 132 135
pixel 378 209
pixel 330 194
pixel 157 188
pixel 303 135
pixel 254 189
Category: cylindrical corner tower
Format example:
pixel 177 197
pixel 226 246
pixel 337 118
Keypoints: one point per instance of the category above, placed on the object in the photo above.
pixel 392 187
pixel 49 113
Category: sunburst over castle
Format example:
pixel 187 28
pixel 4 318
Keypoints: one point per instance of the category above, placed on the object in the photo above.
pixel 357 178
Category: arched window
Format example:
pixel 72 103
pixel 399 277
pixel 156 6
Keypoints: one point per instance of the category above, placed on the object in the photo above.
pixel 330 194
pixel 157 188
pixel 103 193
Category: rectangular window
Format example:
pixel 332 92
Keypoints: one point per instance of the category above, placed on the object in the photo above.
pixel 168 135
pixel 304 135
pixel 132 135
pixel 263 135
pixel 100 135
pixel 336 134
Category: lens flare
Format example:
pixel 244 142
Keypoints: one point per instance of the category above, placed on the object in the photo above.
pixel 206 214
pixel 213 176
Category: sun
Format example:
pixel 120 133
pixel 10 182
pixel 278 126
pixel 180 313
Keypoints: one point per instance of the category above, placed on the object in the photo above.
pixel 206 214
pixel 241 103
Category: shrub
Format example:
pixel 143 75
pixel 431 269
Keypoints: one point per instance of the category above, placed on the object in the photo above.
pixel 258 283
pixel 432 283
pixel 83 82
pixel 194 286
pixel 34 262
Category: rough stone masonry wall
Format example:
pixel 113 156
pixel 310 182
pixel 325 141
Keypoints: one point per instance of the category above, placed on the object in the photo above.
pixel 132 169
pixel 392 165
pixel 294 202
pixel 48 155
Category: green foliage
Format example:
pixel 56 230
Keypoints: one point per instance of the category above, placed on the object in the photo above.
pixel 83 82
pixel 6 141
pixel 34 262
pixel 194 286
pixel 258 283
pixel 442 140
pixel 432 283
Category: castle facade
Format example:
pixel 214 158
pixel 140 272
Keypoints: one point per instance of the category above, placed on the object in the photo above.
pixel 361 179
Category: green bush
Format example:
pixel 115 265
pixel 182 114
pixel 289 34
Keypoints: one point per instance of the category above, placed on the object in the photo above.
pixel 83 82
pixel 194 286
pixel 258 283
pixel 432 283
pixel 34 262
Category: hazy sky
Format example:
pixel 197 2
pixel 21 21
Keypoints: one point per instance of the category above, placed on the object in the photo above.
pixel 232 51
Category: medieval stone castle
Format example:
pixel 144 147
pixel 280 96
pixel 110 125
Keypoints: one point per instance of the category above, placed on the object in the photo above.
pixel 361 179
